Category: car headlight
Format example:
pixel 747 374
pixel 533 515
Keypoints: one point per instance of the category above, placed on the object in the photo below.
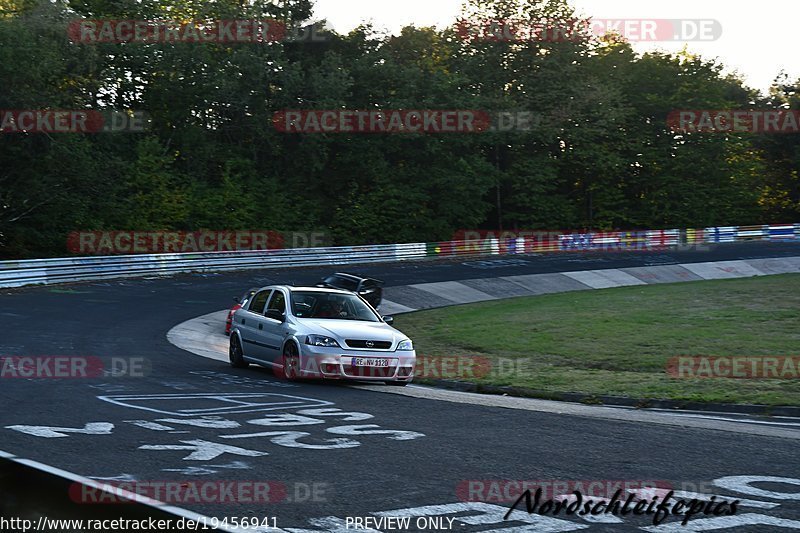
pixel 322 340
pixel 406 345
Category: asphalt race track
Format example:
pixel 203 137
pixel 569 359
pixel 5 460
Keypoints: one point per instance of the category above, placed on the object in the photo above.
pixel 333 452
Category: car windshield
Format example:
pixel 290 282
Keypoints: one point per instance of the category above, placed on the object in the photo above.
pixel 320 304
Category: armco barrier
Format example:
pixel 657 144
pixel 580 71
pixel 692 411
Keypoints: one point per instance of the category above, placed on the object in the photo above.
pixel 61 270
pixel 41 495
pixel 783 231
pixel 721 234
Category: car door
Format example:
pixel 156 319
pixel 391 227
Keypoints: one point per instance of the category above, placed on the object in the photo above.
pixel 274 328
pixel 250 325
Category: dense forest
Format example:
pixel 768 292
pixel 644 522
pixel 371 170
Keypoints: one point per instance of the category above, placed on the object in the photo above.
pixel 601 154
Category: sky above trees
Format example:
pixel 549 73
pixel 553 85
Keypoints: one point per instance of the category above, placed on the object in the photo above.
pixel 757 40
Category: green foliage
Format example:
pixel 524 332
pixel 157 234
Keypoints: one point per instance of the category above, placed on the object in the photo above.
pixel 599 154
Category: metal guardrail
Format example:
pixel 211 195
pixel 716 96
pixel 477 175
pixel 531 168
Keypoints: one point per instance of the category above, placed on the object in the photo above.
pixel 62 270
pixel 48 271
pixel 38 497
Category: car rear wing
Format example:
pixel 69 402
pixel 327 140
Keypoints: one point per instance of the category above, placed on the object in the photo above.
pixel 362 279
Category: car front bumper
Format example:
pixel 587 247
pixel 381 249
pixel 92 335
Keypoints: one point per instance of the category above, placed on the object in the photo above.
pixel 337 363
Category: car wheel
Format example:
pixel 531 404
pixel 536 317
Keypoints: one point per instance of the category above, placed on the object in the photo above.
pixel 235 353
pixel 290 362
pixel 398 383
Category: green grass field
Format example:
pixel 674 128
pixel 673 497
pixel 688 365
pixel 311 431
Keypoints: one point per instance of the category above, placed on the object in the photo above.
pixel 617 341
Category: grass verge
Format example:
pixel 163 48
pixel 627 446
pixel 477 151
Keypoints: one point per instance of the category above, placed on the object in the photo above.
pixel 617 342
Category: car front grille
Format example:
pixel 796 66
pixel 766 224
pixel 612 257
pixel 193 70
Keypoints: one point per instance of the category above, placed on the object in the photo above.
pixel 368 345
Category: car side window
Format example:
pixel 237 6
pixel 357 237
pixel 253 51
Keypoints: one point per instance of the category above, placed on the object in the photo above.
pixel 277 302
pixel 259 301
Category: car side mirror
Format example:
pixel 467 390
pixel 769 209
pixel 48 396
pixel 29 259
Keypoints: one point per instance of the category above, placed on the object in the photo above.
pixel 389 320
pixel 274 314
pixel 236 299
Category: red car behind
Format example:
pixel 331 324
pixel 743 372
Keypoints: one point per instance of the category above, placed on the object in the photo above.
pixel 240 301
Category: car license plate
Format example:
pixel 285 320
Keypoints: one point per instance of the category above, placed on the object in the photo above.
pixel 370 361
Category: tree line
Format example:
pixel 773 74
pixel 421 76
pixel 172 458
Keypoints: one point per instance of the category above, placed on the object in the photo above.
pixel 600 153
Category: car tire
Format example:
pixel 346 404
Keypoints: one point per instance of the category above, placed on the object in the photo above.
pixel 235 353
pixel 290 363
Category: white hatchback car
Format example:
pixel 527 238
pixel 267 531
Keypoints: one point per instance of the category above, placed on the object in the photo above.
pixel 312 332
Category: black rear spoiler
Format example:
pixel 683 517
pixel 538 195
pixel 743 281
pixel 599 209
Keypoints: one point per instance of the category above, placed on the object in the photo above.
pixel 359 276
